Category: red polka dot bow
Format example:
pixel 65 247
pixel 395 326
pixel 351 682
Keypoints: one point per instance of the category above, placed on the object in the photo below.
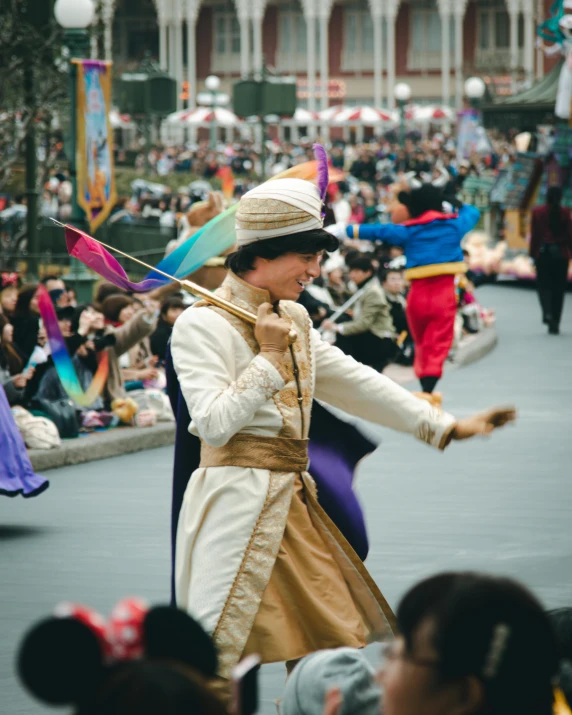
pixel 121 637
pixel 9 280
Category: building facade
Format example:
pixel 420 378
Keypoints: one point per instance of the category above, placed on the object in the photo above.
pixel 342 51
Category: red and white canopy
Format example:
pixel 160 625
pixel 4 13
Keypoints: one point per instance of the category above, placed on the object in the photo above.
pixel 204 116
pixel 429 114
pixel 436 114
pixel 120 121
pixel 368 116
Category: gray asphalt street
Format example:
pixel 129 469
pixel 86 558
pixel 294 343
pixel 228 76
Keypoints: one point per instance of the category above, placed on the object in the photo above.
pixel 502 505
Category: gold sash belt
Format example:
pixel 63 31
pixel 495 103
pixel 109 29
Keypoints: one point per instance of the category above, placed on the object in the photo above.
pixel 278 454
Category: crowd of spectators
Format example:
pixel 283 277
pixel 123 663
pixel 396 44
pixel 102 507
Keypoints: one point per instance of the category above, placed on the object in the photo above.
pixel 134 330
pixel 372 167
pixel 465 644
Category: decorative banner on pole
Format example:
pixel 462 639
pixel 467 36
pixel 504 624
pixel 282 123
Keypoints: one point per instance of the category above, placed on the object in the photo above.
pixel 471 136
pixel 94 147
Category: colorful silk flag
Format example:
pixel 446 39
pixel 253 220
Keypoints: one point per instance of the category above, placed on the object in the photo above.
pixel 62 360
pixel 94 141
pixel 217 236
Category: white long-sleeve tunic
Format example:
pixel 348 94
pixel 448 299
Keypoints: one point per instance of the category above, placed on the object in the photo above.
pixel 233 518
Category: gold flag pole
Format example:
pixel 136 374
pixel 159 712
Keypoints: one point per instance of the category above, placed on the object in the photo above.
pixel 190 287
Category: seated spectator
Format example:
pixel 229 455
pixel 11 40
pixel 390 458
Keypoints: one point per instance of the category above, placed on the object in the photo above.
pixel 26 321
pixel 170 310
pixel 394 288
pixel 318 290
pixel 13 377
pixel 105 289
pixel 357 211
pixel 8 293
pixel 129 327
pixel 336 284
pixel 470 644
pixel 345 669
pixel 317 310
pixel 72 296
pixel 83 337
pixel 339 205
pixel 370 336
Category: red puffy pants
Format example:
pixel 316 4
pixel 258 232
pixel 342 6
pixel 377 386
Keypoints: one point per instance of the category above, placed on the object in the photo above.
pixel 431 311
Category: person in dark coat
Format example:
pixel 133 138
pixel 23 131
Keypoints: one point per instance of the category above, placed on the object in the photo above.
pixel 170 310
pixel 26 321
pixel 551 249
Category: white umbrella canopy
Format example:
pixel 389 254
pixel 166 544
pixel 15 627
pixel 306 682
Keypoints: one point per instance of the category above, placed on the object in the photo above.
pixel 368 116
pixel 328 114
pixel 303 116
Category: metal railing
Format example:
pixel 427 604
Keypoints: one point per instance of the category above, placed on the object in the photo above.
pixel 142 239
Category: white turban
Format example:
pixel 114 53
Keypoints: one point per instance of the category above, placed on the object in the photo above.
pixel 277 208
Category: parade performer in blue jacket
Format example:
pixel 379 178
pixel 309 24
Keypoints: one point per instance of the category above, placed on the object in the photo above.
pixel 431 240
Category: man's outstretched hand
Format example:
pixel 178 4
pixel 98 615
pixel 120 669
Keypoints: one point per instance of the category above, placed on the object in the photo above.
pixel 483 423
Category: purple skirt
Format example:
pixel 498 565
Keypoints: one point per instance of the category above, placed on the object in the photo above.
pixel 16 473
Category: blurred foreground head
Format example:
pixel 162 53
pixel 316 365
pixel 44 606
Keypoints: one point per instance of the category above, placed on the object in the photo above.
pixel 345 668
pixel 470 644
pixel 138 662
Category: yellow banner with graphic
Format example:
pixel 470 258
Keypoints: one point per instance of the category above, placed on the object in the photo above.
pixel 94 141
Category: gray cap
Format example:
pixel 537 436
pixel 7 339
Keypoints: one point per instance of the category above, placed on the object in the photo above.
pixel 343 668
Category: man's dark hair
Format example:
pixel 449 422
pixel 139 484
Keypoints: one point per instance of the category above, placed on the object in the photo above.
pixel 173 301
pixel 362 264
pixel 314 241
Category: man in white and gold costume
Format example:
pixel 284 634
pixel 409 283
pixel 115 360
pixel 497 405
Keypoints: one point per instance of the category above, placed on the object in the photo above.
pixel 258 561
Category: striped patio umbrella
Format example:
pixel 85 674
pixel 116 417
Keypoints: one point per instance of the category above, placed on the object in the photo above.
pixel 367 116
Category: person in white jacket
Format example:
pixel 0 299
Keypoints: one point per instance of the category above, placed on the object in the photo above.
pixel 258 561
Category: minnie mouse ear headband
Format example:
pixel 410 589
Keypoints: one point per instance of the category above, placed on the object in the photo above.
pixel 9 280
pixel 63 659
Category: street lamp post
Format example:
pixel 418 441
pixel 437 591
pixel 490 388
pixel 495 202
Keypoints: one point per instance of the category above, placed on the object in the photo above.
pixel 212 83
pixel 31 173
pixel 475 90
pixel 74 16
pixel 402 92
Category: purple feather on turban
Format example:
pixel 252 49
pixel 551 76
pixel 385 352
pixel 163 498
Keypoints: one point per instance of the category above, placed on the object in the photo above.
pixel 323 171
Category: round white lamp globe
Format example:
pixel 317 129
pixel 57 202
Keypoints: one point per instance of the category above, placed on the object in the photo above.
pixel 475 88
pixel 212 83
pixel 402 92
pixel 74 14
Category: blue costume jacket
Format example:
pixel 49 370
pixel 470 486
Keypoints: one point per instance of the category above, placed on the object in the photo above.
pixel 432 242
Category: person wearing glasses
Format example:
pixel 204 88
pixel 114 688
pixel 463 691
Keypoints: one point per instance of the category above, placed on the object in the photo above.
pixel 471 644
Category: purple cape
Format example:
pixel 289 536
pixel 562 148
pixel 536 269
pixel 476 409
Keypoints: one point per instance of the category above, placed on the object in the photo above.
pixel 335 449
pixel 17 475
